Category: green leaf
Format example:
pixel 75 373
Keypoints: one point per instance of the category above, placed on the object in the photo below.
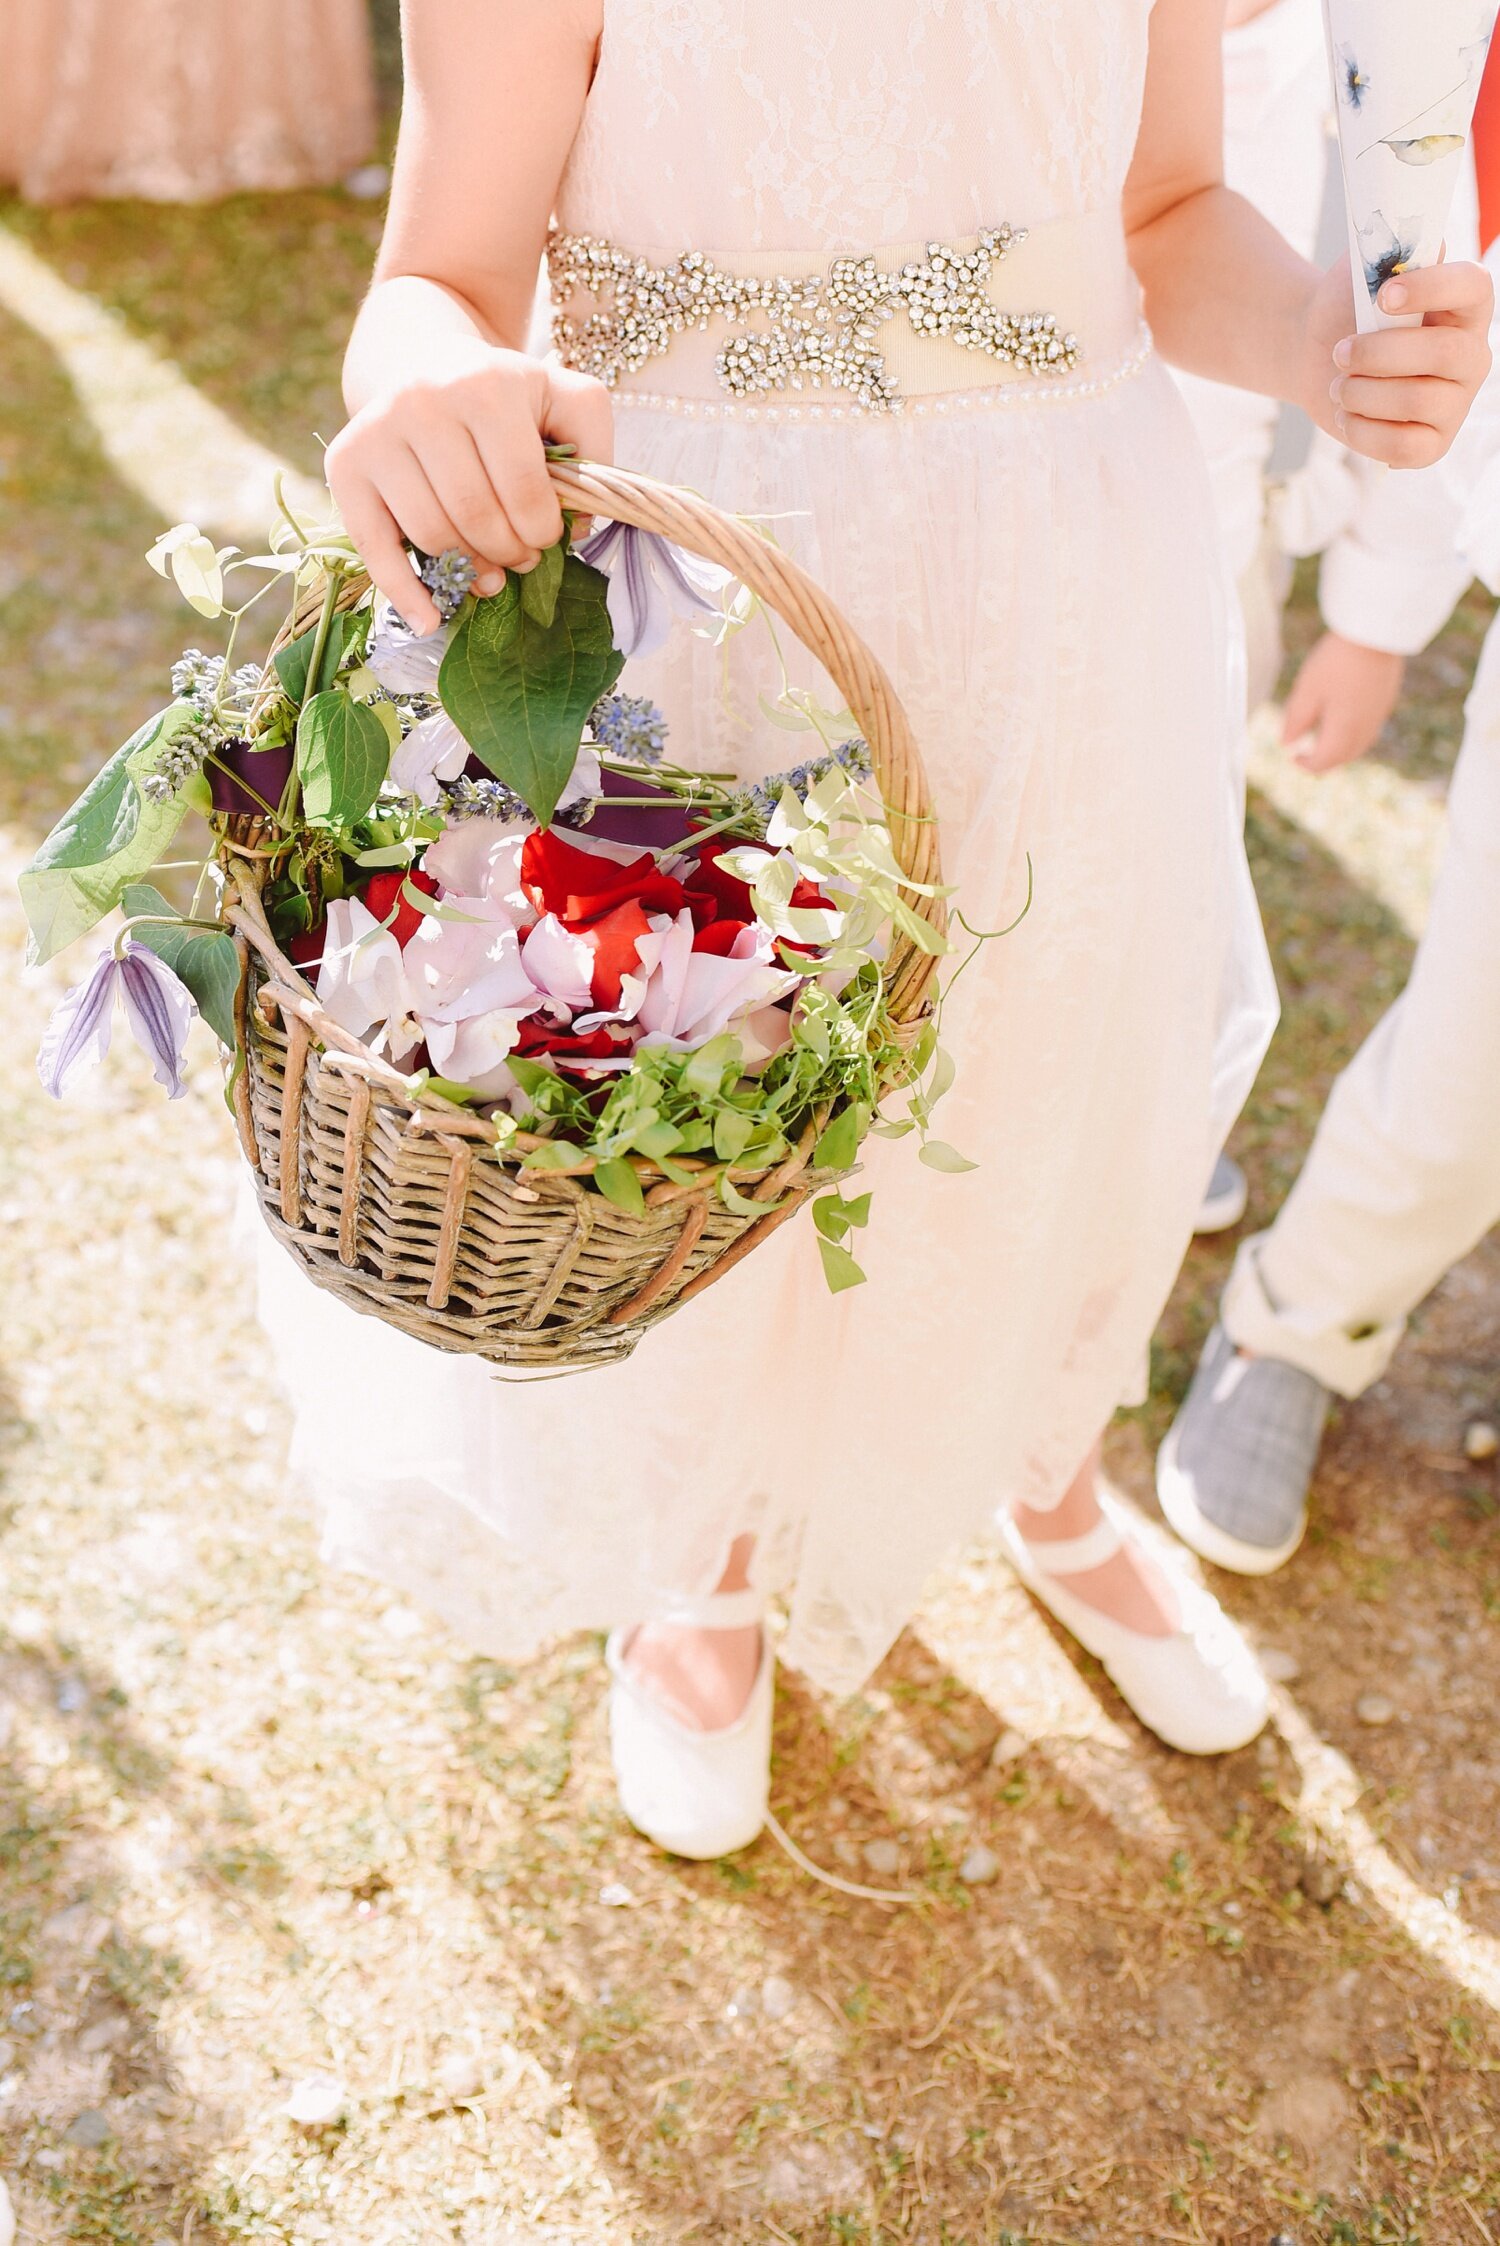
pixel 732 1131
pixel 293 659
pixel 111 835
pixel 541 586
pixel 462 1095
pixel 829 1216
pixel 704 1072
pixel 205 961
pixel 742 1205
pixel 557 1154
pixel 839 1267
pixel 658 1139
pixel 618 1182
pixel 938 1155
pixel 343 756
pixel 838 1147
pixel 520 691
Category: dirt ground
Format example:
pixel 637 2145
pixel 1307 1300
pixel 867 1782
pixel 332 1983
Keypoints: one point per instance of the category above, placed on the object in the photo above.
pixel 260 1823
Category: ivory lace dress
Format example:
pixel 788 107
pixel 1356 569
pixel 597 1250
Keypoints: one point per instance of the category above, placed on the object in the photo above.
pixel 1033 556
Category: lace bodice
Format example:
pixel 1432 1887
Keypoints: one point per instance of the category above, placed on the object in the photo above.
pixel 773 125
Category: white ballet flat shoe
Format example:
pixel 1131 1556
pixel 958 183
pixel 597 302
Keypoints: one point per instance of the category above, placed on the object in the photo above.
pixel 1201 1689
pixel 694 1793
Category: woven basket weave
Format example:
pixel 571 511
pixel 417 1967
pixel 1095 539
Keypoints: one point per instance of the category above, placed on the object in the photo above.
pixel 400 1202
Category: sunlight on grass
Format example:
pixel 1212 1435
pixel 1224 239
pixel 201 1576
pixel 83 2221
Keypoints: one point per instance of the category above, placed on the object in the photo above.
pixel 188 460
pixel 1329 1802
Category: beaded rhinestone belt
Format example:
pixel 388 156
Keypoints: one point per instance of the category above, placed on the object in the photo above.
pixel 818 331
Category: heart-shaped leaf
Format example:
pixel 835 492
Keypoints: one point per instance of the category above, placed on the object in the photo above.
pixel 292 660
pixel 111 834
pixel 520 690
pixel 343 755
pixel 204 960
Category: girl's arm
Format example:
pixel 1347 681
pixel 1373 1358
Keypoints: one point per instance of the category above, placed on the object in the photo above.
pixel 448 413
pixel 1226 297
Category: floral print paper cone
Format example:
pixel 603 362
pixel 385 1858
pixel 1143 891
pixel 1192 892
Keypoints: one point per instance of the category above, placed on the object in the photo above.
pixel 1406 76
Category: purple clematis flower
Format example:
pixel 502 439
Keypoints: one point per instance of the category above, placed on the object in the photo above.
pixel 158 1008
pixel 651 583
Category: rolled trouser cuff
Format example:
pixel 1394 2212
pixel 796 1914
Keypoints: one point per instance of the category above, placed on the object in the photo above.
pixel 1345 1362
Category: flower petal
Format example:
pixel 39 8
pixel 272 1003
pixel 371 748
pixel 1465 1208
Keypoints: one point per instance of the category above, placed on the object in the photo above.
pixel 559 963
pixel 434 750
pixel 481 858
pixel 159 1008
pixel 404 661
pixel 77 1036
pixel 651 583
pixel 473 1051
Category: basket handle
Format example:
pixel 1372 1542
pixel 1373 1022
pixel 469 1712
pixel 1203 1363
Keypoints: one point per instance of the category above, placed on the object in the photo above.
pixel 696 524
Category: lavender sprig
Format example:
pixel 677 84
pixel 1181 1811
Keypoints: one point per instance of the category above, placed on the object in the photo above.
pixel 629 726
pixel 449 578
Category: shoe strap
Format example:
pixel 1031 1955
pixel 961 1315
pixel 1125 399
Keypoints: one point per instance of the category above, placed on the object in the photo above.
pixel 714 1610
pixel 1076 1555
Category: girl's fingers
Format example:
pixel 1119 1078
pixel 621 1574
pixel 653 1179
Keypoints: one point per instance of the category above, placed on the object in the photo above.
pixel 377 536
pixel 579 412
pixel 510 449
pixel 1461 294
pixel 405 488
pixel 467 489
pixel 1400 444
pixel 1439 404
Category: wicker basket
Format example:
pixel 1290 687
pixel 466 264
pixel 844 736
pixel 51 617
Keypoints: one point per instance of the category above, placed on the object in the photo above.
pixel 400 1203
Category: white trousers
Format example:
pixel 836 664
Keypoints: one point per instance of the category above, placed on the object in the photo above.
pixel 1404 1175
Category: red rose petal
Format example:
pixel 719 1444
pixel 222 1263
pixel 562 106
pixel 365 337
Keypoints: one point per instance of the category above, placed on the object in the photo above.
pixel 307 949
pixel 381 898
pixel 540 1036
pixel 579 887
pixel 612 940
pixel 719 936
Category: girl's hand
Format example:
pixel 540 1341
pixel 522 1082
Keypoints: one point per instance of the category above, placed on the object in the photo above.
pixel 1401 395
pixel 456 459
pixel 1340 702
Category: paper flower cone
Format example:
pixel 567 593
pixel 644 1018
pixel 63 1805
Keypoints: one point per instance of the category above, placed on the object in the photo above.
pixel 1406 77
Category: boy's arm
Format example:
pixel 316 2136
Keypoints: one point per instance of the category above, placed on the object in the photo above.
pixel 1391 580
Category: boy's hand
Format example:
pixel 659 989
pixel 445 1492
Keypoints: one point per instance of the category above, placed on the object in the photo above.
pixel 1340 702
pixel 1401 395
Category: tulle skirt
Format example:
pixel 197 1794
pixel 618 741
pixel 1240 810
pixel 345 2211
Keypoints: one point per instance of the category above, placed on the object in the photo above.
pixel 1042 578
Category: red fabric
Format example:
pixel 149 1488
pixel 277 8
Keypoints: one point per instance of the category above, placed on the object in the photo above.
pixel 1487 148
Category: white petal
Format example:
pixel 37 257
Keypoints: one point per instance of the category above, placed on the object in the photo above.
pixel 434 750
pixel 559 964
pixel 481 858
pixel 362 982
pixel 473 1052
pixel 404 661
